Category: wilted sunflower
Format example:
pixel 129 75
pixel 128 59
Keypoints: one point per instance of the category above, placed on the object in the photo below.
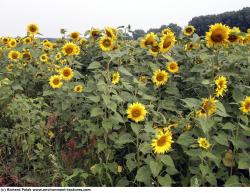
pixel 245 105
pixel 221 85
pixel 78 88
pixel 106 44
pixel 44 58
pixel 66 73
pixel 136 112
pixel 14 55
pixel 173 67
pixel 203 143
pixel 111 32
pixel 217 35
pixel 234 35
pixel 208 107
pixel 189 30
pixel 160 77
pixel 12 43
pixel 75 36
pixel 167 42
pixel 148 40
pixel 163 141
pixel 95 33
pixel 115 77
pixel 55 81
pixel 70 49
pixel 32 29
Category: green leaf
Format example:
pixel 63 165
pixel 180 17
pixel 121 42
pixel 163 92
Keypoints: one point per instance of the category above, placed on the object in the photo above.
pixel 232 181
pixel 222 139
pixel 107 125
pixel 94 65
pixel 237 95
pixel 191 102
pixel 96 111
pixel 124 71
pixel 155 167
pixel 165 181
pixel 185 139
pixel 206 124
pixel 220 110
pixel 95 99
pixel 168 161
pixel 136 128
pixel 143 174
pixel 130 161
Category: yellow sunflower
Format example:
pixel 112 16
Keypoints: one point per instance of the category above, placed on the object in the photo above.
pixel 245 105
pixel 136 112
pixel 189 30
pixel 32 29
pixel 234 35
pixel 143 79
pixel 189 46
pixel 166 31
pixel 14 55
pixel 95 33
pixel 66 73
pixel 58 56
pixel 173 67
pixel 27 40
pixel 9 67
pixel 26 55
pixel 111 32
pixel 115 77
pixel 55 81
pixel 162 142
pixel 221 85
pixel 217 35
pixel 203 143
pixel 48 45
pixel 106 44
pixel 167 42
pixel 208 107
pixel 12 43
pixel 78 88
pixel 160 77
pixel 148 40
pixel 83 41
pixel 75 36
pixel 44 58
pixel 70 49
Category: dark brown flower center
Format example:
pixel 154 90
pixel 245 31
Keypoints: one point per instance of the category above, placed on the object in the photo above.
pixel 56 81
pixel 217 37
pixel 162 141
pixel 106 43
pixel 136 112
pixel 160 77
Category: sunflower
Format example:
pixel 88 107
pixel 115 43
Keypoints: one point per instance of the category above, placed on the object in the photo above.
pixel 173 67
pixel 166 31
pixel 189 46
pixel 75 36
pixel 12 43
pixel 208 107
pixel 203 143
pixel 221 85
pixel 78 88
pixel 111 32
pixel 154 50
pixel 148 40
pixel 27 40
pixel 70 49
pixel 66 73
pixel 167 42
pixel 58 56
pixel 217 35
pixel 95 33
pixel 55 81
pixel 26 55
pixel 115 77
pixel 160 77
pixel 234 35
pixel 44 58
pixel 143 79
pixel 9 67
pixel 245 105
pixel 32 29
pixel 83 41
pixel 188 30
pixel 14 55
pixel 136 112
pixel 48 45
pixel 106 44
pixel 162 142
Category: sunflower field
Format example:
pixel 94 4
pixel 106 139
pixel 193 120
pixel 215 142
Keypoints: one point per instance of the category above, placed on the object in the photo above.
pixel 96 109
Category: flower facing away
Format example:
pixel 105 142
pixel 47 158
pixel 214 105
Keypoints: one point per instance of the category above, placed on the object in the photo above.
pixel 173 67
pixel 221 85
pixel 162 142
pixel 136 112
pixel 78 88
pixel 106 44
pixel 245 105
pixel 55 81
pixel 217 35
pixel 189 30
pixel 115 77
pixel 66 73
pixel 160 77
pixel 203 143
pixel 32 29
pixel 208 107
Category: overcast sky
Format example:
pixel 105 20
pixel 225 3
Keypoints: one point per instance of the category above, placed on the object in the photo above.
pixel 80 15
